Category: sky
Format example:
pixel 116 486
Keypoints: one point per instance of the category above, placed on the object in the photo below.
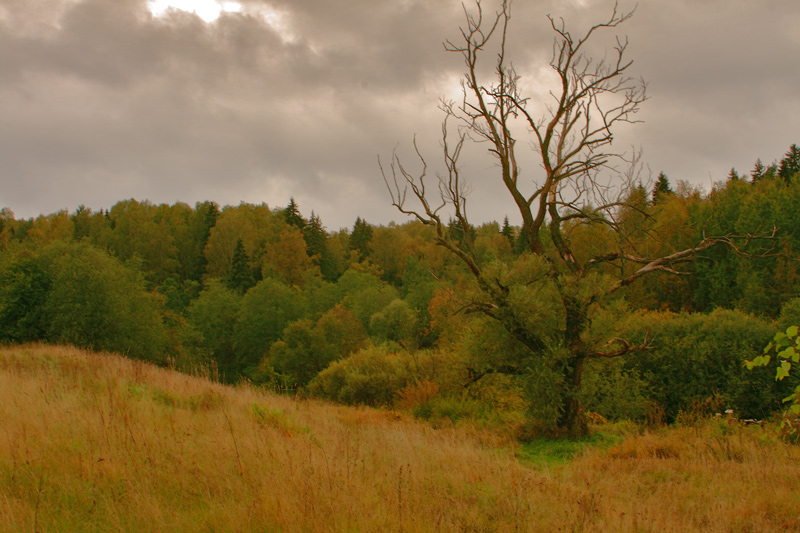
pixel 262 100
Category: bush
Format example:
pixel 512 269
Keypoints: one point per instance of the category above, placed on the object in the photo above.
pixel 614 391
pixel 784 350
pixel 696 356
pixel 371 376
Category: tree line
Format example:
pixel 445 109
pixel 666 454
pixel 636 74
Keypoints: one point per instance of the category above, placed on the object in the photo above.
pixel 374 314
pixel 565 312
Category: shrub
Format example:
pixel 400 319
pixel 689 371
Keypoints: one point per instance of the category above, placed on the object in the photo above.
pixel 696 356
pixel 785 347
pixel 371 376
pixel 614 391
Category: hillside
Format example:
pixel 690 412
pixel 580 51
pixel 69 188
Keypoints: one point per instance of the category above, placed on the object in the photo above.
pixel 97 442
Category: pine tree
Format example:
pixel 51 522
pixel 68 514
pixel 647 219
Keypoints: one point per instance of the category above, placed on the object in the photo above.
pixel 203 220
pixel 316 239
pixel 315 236
pixel 360 238
pixel 459 234
pixel 80 221
pixel 758 171
pixel 240 277
pixel 508 231
pixel 790 164
pixel 292 215
pixel 661 189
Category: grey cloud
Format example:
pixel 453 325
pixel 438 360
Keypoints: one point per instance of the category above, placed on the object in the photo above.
pixel 101 102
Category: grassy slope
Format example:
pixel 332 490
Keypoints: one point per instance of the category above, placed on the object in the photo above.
pixel 95 442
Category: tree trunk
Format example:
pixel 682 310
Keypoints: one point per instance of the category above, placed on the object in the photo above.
pixel 572 421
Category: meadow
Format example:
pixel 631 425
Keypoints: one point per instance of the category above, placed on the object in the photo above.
pixel 98 442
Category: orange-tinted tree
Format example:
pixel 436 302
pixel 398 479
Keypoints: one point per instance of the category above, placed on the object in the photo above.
pixel 547 303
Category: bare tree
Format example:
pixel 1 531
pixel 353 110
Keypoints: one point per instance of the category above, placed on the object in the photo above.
pixel 572 135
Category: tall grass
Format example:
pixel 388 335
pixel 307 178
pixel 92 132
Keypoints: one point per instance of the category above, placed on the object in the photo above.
pixel 96 442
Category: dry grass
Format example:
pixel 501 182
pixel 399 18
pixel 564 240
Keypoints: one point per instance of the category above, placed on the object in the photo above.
pixel 95 442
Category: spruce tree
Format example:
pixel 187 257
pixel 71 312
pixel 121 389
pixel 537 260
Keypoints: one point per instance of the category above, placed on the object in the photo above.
pixel 758 171
pixel 508 231
pixel 790 164
pixel 360 238
pixel 240 277
pixel 292 215
pixel 661 189
pixel 314 235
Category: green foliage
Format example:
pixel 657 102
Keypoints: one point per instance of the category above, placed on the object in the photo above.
pixel 396 322
pixel 75 293
pixel 757 174
pixel 696 356
pixel 240 276
pixel 320 296
pixel 266 310
pixel 360 238
pixel 307 348
pixel 790 164
pixel 661 190
pixel 255 225
pixel 544 390
pixel 785 346
pixel 507 231
pixel 364 295
pixel 452 408
pixel 88 278
pixel 296 355
pixel 760 283
pixel 292 216
pixel 371 376
pixel 214 314
pixel 532 295
pixel 24 285
pixel 790 314
pixel 340 333
pixel 614 391
pixel 179 295
pixel 200 222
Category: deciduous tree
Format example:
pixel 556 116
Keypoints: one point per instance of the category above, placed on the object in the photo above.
pixel 584 181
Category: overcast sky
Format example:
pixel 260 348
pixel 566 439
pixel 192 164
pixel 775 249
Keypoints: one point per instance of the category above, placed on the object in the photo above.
pixel 104 100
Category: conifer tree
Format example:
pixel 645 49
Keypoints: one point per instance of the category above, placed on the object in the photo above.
pixel 80 221
pixel 314 235
pixel 241 276
pixel 662 188
pixel 790 164
pixel 360 238
pixel 292 215
pixel 758 171
pixel 316 239
pixel 202 221
pixel 508 231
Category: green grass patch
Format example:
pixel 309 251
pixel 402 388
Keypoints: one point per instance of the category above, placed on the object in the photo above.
pixel 557 452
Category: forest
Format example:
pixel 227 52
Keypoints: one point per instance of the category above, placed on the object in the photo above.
pixel 379 315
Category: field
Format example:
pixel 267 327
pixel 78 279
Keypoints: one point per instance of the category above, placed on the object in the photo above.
pixel 97 442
